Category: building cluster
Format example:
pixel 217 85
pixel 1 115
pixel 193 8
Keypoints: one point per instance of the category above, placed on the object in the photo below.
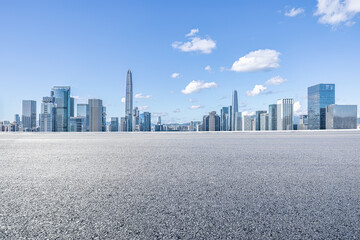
pixel 58 115
pixel 323 113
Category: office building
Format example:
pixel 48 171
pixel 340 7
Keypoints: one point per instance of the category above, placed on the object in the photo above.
pixel 285 115
pixel 96 115
pixel 129 100
pixel 246 122
pixel 341 116
pixel 145 122
pixel 28 115
pixel 238 121
pixel 104 119
pixel 114 124
pixel 224 118
pixel 62 104
pixel 258 119
pixel 205 123
pixel 235 109
pixel 48 115
pixel 214 121
pixel 272 117
pixel 83 111
pixel 136 120
pixel 17 119
pixel 123 123
pixel 264 122
pixel 319 96
pixel 72 107
pixel 77 124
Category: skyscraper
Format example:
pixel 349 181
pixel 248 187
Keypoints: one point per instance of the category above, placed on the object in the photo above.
pixel 235 109
pixel 214 121
pixel 319 96
pixel 114 124
pixel 62 101
pixel 145 122
pixel 285 114
pixel 28 115
pixel 72 107
pixel 103 119
pixel 83 111
pixel 341 116
pixel 129 100
pixel 17 119
pixel 272 117
pixel 48 115
pixel 96 115
pixel 258 113
pixel 246 123
pixel 238 122
pixel 264 122
pixel 136 120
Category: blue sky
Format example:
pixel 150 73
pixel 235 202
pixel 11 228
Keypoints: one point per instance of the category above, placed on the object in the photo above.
pixel 90 45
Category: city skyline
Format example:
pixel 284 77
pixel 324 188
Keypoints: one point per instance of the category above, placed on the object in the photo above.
pixel 187 72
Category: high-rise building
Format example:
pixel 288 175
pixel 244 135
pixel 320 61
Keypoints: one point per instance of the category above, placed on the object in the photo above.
pixel 17 119
pixel 205 123
pixel 258 119
pixel 83 111
pixel 145 122
pixel 129 100
pixel 214 121
pixel 48 115
pixel 224 119
pixel 264 122
pixel 77 124
pixel 285 114
pixel 62 102
pixel 28 115
pixel 114 124
pixel 341 116
pixel 136 120
pixel 104 119
pixel 123 122
pixel 319 96
pixel 273 117
pixel 246 123
pixel 235 109
pixel 238 122
pixel 72 107
pixel 96 115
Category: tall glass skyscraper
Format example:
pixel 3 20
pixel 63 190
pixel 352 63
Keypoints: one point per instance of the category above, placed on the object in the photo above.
pixel 285 114
pixel 48 115
pixel 224 119
pixel 129 100
pixel 145 122
pixel 62 101
pixel 235 109
pixel 272 117
pixel 319 96
pixel 28 115
pixel 96 115
pixel 83 111
pixel 258 113
pixel 341 116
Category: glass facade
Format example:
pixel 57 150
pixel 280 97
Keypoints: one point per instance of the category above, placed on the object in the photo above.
pixel 77 124
pixel 235 109
pixel 319 96
pixel 114 124
pixel 62 101
pixel 145 122
pixel 96 115
pixel 28 115
pixel 272 117
pixel 341 116
pixel 285 114
pixel 264 122
pixel 83 111
pixel 258 119
pixel 48 114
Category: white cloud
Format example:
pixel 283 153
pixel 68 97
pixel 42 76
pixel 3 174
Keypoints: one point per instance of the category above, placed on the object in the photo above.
pixel 298 109
pixel 208 68
pixel 195 44
pixel 222 69
pixel 335 12
pixel 260 60
pixel 142 108
pixel 196 86
pixel 195 107
pixel 140 95
pixel 294 12
pixel 276 81
pixel 76 97
pixel 175 75
pixel 192 100
pixel 192 32
pixel 123 100
pixel 256 91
